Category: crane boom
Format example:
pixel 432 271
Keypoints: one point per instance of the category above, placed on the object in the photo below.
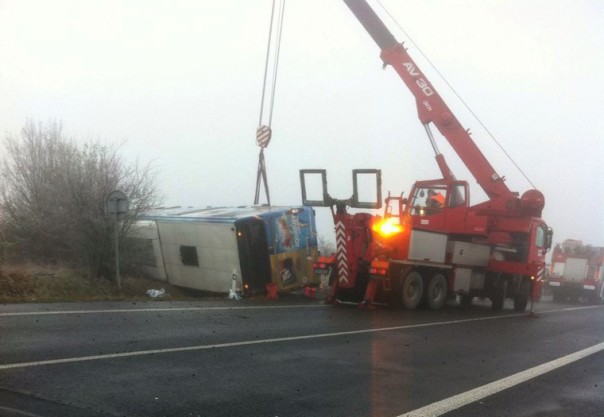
pixel 430 105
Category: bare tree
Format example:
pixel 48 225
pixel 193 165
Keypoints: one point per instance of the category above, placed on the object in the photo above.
pixel 53 200
pixel 326 248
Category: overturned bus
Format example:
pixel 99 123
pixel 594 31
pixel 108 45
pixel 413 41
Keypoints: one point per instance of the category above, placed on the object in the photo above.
pixel 212 249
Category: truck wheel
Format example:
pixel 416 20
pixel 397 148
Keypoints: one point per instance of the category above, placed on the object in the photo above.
pixel 499 292
pixel 412 290
pixel 436 292
pixel 595 299
pixel 522 296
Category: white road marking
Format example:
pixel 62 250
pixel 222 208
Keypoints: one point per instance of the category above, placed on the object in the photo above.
pixel 243 343
pixel 452 403
pixel 276 307
pixel 154 310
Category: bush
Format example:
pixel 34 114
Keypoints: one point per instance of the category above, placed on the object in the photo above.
pixel 53 200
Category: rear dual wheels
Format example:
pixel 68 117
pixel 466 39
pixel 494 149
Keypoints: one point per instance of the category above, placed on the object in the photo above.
pixel 412 290
pixel 433 293
pixel 436 292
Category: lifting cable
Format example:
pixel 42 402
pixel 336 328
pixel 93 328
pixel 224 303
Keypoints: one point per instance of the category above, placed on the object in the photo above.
pixel 457 95
pixel 264 131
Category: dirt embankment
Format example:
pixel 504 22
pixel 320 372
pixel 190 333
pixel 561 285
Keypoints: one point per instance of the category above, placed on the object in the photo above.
pixel 42 283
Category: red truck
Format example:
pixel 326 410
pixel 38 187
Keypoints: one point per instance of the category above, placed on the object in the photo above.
pixel 435 244
pixel 577 271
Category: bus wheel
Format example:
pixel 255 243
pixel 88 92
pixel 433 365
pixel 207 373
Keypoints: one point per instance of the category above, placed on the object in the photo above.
pixel 499 292
pixel 412 290
pixel 436 292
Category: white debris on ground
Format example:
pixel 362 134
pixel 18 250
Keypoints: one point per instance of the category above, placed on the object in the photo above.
pixel 156 293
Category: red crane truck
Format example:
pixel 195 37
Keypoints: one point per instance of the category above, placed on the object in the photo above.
pixel 434 244
pixel 577 271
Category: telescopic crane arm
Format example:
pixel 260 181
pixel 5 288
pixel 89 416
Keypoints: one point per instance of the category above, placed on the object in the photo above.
pixel 430 105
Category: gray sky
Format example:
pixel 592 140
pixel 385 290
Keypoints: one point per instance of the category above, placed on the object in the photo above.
pixel 179 82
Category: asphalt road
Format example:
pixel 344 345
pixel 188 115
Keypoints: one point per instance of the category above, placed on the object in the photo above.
pixel 297 357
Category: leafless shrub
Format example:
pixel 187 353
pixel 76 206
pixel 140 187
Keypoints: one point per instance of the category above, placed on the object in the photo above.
pixel 53 197
pixel 326 247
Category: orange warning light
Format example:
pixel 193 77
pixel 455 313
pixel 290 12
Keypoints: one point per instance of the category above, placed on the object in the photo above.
pixel 387 227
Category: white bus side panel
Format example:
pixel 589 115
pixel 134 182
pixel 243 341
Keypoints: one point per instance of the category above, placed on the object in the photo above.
pixel 215 247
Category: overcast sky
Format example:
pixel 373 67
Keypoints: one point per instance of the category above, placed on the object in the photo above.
pixel 179 83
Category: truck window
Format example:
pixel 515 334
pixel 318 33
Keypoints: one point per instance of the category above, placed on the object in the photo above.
pixel 429 200
pixel 458 196
pixel 540 237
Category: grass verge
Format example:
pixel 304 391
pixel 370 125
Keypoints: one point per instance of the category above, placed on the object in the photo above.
pixel 43 283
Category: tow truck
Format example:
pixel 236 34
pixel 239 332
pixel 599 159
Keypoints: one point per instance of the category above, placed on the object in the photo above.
pixel 434 245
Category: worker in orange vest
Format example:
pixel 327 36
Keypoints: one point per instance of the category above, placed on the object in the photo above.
pixel 435 200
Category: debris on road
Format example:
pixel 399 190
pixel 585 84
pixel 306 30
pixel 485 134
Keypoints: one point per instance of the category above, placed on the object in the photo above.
pixel 156 293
